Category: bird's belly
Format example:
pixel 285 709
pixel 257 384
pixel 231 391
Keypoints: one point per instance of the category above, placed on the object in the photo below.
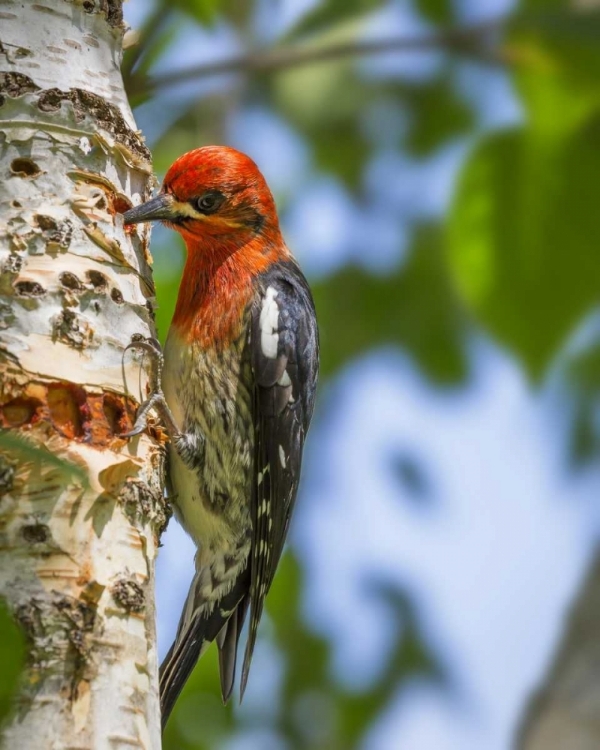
pixel 210 397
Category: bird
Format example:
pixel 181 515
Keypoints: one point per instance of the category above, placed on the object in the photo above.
pixel 235 388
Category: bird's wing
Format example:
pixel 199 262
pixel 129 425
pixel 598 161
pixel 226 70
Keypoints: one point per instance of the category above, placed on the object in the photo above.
pixel 285 355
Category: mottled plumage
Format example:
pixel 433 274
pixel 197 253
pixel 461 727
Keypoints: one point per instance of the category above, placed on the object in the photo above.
pixel 239 379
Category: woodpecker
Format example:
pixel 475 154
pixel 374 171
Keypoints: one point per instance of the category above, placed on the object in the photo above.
pixel 235 388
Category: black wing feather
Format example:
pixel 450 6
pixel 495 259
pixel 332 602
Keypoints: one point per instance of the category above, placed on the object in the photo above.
pixel 284 395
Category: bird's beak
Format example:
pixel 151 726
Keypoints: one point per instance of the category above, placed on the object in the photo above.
pixel 160 208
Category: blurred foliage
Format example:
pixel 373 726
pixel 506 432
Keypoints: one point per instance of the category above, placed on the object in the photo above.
pixel 12 655
pixel 203 11
pixel 315 710
pixel 414 308
pixel 333 13
pixel 438 11
pixel 523 228
pixel 514 259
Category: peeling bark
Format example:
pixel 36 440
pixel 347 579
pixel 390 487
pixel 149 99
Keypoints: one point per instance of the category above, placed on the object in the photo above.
pixel 76 557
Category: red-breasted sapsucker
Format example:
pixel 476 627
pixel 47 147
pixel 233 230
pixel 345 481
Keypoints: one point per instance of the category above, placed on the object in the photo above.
pixel 238 376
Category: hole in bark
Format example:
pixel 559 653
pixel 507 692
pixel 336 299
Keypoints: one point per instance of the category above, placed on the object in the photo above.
pixel 29 289
pixel 35 533
pixel 115 414
pixel 20 411
pixel 15 85
pixel 70 281
pixel 23 167
pixel 88 6
pixel 46 223
pixel 72 329
pixel 121 204
pixel 116 296
pixel 65 403
pixel 55 232
pixel 98 281
pixel 13 264
pixel 101 201
pixel 129 595
pixel 16 204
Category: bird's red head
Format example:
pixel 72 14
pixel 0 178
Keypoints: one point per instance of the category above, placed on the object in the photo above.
pixel 216 198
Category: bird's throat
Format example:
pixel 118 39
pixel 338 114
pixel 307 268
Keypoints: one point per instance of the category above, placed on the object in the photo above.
pixel 216 289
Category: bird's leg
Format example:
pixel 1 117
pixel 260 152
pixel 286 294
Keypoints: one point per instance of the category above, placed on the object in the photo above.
pixel 156 400
pixel 190 446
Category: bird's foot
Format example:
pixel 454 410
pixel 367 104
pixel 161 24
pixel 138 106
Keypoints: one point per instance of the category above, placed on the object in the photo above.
pixel 156 399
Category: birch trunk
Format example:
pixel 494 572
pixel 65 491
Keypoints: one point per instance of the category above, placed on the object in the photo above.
pixel 76 558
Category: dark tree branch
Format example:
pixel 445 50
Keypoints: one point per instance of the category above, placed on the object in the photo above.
pixel 564 712
pixel 478 40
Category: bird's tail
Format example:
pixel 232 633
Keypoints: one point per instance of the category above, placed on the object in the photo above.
pixel 227 641
pixel 200 625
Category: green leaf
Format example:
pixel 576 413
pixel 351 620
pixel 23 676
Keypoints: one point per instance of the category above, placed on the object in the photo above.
pixel 12 657
pixel 203 122
pixel 203 11
pixel 24 449
pixel 544 5
pixel 557 66
pixel 343 151
pixel 329 13
pixel 580 370
pixel 523 234
pixel 323 103
pixel 414 308
pixel 438 114
pixel 438 11
pixel 525 226
pixel 238 13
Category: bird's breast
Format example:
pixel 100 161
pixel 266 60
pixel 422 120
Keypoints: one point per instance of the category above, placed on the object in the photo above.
pixel 209 390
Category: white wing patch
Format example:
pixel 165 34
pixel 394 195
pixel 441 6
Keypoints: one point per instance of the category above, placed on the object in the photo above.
pixel 285 379
pixel 269 323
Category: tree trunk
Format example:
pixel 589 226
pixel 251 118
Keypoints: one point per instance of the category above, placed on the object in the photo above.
pixel 77 545
pixel 564 714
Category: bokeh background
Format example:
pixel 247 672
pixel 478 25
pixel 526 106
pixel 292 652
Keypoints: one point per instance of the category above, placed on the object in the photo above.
pixel 441 193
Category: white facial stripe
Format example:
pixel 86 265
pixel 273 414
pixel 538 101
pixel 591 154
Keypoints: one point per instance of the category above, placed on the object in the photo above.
pixel 269 323
pixel 184 209
pixel 187 210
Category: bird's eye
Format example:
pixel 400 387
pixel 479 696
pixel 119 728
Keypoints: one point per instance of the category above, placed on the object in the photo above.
pixel 210 201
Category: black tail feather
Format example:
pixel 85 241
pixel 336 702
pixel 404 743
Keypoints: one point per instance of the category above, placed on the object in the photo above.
pixel 178 665
pixel 191 641
pixel 228 643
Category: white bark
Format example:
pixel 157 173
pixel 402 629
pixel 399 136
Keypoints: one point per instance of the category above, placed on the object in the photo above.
pixel 76 562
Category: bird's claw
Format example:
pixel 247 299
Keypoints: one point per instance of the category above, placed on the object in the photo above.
pixel 149 344
pixel 156 400
pixel 141 419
